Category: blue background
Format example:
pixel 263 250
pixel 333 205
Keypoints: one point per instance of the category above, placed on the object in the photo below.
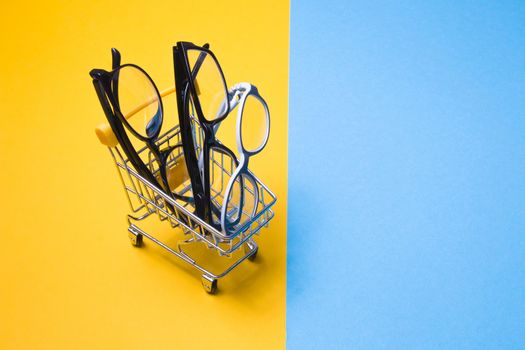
pixel 406 175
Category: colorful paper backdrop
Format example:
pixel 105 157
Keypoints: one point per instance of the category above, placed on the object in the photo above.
pixel 69 277
pixel 405 196
pixel 407 168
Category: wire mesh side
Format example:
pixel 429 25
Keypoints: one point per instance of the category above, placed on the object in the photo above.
pixel 146 199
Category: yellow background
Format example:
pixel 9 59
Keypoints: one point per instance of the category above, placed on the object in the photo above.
pixel 69 277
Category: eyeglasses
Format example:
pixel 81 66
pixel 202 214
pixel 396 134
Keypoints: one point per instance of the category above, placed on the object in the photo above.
pixel 253 131
pixel 201 88
pixel 131 99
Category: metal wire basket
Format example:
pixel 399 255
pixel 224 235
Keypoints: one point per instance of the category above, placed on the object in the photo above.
pixel 147 201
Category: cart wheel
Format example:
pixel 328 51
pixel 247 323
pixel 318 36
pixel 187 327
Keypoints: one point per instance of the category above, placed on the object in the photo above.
pixel 136 239
pixel 209 284
pixel 254 255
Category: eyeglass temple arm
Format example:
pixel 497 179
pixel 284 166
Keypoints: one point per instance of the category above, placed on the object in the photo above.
pixel 196 68
pixel 115 58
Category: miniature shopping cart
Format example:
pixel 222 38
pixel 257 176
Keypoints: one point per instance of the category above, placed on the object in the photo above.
pixel 149 202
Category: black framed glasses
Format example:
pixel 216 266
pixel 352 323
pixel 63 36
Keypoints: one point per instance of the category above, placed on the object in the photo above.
pixel 131 101
pixel 201 88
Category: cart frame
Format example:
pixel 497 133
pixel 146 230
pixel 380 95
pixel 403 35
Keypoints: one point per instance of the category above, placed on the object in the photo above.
pixel 146 200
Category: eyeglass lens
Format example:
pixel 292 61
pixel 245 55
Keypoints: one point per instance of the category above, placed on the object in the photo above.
pixel 221 166
pixel 253 124
pixel 209 83
pixel 237 211
pixel 139 101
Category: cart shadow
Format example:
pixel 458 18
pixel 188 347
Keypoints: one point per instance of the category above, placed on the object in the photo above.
pixel 237 283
